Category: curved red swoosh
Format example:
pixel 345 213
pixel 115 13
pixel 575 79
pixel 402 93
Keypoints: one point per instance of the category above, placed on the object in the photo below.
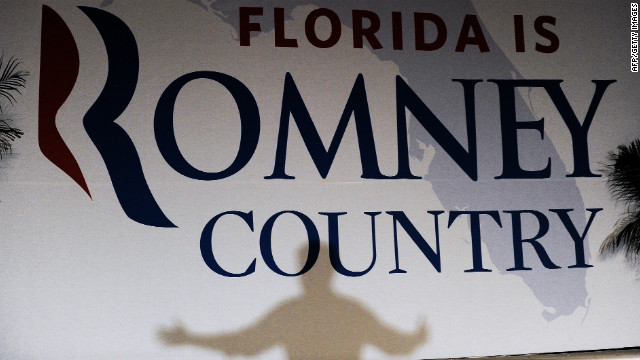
pixel 59 64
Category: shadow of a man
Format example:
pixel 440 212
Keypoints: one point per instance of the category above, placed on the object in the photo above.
pixel 319 324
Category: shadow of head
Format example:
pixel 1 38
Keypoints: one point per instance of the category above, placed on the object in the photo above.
pixel 318 278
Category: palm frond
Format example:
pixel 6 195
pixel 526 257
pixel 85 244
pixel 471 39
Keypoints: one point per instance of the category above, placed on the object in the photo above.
pixel 625 238
pixel 623 180
pixel 11 79
pixel 7 135
pixel 623 174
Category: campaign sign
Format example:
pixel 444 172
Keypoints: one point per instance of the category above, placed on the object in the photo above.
pixel 296 180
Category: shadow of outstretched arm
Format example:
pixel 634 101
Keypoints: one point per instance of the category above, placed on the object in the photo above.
pixel 394 342
pixel 249 341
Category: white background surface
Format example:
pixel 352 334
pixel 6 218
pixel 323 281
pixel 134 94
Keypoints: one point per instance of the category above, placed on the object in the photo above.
pixel 79 280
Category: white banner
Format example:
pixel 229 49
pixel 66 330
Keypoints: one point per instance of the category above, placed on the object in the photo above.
pixel 285 179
